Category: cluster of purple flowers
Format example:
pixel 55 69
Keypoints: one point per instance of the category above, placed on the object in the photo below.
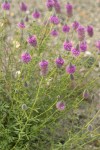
pixel 36 14
pixel 57 6
pixel 70 68
pixel 90 31
pixel 26 57
pixel 32 40
pixel 75 25
pixel 50 4
pixel 53 4
pixel 54 32
pixel 54 19
pixel 23 6
pixel 21 24
pixel 69 10
pixel 67 45
pixel 66 28
pixel 81 32
pixel 75 51
pixel 83 46
pixel 43 67
pixel 59 62
pixel 6 5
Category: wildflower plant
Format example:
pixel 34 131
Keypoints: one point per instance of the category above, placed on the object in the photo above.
pixel 45 81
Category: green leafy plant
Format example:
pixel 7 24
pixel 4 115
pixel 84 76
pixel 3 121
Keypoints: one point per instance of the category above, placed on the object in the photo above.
pixel 44 112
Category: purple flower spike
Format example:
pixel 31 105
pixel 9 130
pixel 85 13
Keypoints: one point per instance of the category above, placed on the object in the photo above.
pixel 75 51
pixel 54 19
pixel 44 67
pixel 81 33
pixel 83 46
pixel 36 14
pixel 90 31
pixel 23 6
pixel 59 62
pixel 75 25
pixel 60 106
pixel 32 40
pixel 69 9
pixel 6 5
pixel 57 7
pixel 67 45
pixel 98 44
pixel 50 4
pixel 21 25
pixel 54 33
pixel 86 94
pixel 70 69
pixel 66 28
pixel 26 57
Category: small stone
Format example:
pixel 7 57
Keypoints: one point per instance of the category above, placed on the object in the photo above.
pixel 87 53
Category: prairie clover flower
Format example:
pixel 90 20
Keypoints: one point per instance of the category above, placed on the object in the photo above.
pixel 44 67
pixel 54 19
pixel 69 9
pixel 90 31
pixel 66 28
pixel 75 25
pixel 83 46
pixel 81 33
pixel 60 106
pixel 6 5
pixel 75 51
pixel 26 57
pixel 23 6
pixel 67 45
pixel 59 62
pixel 21 24
pixel 57 7
pixel 98 44
pixel 86 94
pixel 36 14
pixel 54 33
pixel 50 4
pixel 70 69
pixel 32 40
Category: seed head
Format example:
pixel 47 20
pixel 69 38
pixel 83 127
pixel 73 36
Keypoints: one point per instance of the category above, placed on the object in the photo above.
pixel 60 106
